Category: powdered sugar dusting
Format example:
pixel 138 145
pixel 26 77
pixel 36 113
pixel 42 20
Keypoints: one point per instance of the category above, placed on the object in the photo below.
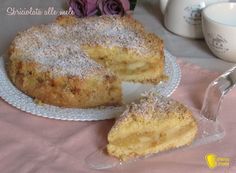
pixel 59 48
pixel 150 103
pixel 154 102
pixel 150 106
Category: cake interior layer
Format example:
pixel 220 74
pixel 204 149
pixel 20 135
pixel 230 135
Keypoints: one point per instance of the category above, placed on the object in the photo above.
pixel 129 66
pixel 138 139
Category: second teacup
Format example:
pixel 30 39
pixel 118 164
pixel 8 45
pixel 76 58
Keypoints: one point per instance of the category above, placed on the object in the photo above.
pixel 183 17
pixel 219 28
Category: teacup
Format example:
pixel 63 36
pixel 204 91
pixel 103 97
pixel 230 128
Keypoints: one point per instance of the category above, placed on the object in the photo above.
pixel 183 17
pixel 219 29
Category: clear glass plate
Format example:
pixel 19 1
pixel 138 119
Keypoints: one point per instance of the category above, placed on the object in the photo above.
pixel 131 92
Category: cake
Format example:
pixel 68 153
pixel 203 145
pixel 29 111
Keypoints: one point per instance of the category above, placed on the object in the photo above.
pixel 81 62
pixel 153 125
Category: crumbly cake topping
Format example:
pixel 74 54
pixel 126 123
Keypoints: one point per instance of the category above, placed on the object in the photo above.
pixel 150 103
pixel 59 48
pixel 152 106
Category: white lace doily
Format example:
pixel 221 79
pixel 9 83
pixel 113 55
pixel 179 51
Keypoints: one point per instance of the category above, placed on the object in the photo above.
pixel 131 92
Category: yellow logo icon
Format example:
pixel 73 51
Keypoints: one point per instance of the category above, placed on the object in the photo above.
pixel 213 161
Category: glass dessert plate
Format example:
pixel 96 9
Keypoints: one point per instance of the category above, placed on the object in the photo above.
pixel 131 92
pixel 209 128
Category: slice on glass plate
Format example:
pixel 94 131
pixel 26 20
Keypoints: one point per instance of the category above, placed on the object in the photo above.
pixel 157 125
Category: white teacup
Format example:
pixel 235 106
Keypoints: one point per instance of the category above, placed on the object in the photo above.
pixel 219 29
pixel 183 17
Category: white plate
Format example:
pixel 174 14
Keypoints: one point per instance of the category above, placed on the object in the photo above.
pixel 131 92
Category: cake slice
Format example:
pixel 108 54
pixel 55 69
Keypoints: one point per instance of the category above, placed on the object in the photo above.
pixel 155 124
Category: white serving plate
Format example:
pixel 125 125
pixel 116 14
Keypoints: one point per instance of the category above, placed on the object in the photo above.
pixel 131 92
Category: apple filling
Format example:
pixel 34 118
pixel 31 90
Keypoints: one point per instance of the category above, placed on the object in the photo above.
pixel 127 65
pixel 147 140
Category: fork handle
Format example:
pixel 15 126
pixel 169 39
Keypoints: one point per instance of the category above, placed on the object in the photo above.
pixel 215 93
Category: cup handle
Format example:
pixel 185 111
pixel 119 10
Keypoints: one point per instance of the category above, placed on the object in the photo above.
pixel 163 5
pixel 215 93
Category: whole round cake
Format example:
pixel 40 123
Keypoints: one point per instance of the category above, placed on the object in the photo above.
pixel 80 62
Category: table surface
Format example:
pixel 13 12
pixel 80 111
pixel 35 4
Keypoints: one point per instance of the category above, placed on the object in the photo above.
pixel 147 12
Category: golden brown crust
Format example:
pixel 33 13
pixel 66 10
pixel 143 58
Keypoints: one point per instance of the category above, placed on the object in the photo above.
pixel 64 91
